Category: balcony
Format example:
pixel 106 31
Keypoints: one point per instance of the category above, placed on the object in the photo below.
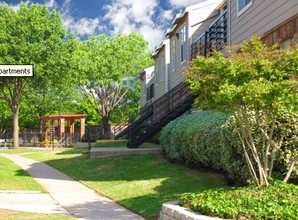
pixel 214 39
pixel 218 32
pixel 199 47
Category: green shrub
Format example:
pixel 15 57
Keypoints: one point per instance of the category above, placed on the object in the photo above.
pixel 285 133
pixel 199 139
pixel 209 138
pixel 278 201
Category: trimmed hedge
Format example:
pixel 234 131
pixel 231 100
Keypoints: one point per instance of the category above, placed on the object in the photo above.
pixel 199 139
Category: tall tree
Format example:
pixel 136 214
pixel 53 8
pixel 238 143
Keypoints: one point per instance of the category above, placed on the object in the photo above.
pixel 258 84
pixel 31 35
pixel 104 64
pixel 5 117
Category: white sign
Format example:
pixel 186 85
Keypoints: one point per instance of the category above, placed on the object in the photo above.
pixel 16 70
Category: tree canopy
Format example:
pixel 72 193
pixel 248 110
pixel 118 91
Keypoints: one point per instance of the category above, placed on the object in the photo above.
pixel 31 35
pixel 107 65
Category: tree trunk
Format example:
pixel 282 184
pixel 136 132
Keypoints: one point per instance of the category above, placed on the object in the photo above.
pixel 107 134
pixel 15 118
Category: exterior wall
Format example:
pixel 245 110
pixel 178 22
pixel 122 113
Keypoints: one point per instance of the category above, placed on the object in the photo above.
pixel 201 16
pixel 161 59
pixel 197 19
pixel 285 34
pixel 177 68
pixel 261 17
pixel 147 79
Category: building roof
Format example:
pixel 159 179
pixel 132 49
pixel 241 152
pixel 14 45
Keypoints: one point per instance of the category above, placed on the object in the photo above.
pixel 201 5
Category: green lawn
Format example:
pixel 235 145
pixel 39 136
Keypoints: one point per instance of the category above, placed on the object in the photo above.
pixel 12 215
pixel 12 177
pixel 139 182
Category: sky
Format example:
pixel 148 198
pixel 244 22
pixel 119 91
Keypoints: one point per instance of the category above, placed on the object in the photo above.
pixel 150 18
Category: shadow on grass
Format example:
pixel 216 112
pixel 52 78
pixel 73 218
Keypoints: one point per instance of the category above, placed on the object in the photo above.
pixel 74 151
pixel 139 182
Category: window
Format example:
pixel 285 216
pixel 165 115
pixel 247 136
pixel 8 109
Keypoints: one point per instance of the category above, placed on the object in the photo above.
pixel 173 50
pixel 151 74
pixel 150 92
pixel 183 44
pixel 242 6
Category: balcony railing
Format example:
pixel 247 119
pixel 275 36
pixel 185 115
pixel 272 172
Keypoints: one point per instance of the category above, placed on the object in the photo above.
pixel 214 39
pixel 200 45
pixel 218 32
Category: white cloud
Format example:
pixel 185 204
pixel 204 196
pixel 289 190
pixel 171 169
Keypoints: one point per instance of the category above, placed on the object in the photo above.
pixel 184 3
pixel 51 4
pixel 81 27
pixel 126 16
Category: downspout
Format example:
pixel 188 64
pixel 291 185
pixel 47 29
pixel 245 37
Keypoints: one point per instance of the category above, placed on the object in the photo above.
pixel 229 22
pixel 167 62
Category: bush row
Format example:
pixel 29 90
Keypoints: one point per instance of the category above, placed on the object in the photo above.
pixel 207 138
pixel 199 139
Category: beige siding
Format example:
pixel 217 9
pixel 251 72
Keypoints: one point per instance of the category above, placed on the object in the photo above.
pixel 143 93
pixel 147 80
pixel 161 60
pixel 262 16
pixel 160 74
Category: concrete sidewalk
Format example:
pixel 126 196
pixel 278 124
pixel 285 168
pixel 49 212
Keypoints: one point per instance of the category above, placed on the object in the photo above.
pixel 74 197
pixel 30 201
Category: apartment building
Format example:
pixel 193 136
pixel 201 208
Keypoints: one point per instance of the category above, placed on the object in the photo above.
pixel 196 31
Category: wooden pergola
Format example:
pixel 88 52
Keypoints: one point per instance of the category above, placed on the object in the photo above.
pixel 62 119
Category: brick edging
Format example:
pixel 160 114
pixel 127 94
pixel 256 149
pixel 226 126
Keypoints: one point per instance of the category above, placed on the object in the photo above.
pixel 172 211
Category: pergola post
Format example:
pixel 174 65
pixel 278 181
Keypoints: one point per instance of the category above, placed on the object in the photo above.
pixel 52 131
pixel 61 128
pixel 71 129
pixel 82 128
pixel 43 130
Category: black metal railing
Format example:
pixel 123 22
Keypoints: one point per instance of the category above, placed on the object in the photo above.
pixel 218 32
pixel 120 128
pixel 199 46
pixel 151 119
pixel 213 39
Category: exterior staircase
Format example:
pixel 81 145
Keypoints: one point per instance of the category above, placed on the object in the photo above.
pixel 156 115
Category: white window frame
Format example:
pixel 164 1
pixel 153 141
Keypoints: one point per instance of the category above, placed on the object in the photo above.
pixel 157 72
pixel 183 39
pixel 174 54
pixel 242 10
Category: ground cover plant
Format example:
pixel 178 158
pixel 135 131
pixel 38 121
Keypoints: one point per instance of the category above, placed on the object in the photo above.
pixel 278 201
pixel 139 182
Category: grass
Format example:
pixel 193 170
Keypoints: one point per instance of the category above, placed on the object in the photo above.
pixel 14 215
pixel 12 177
pixel 139 182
